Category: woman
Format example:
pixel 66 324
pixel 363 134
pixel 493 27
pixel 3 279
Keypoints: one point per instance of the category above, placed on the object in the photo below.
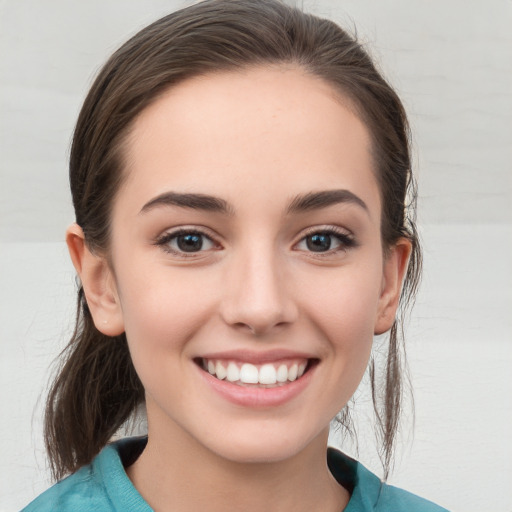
pixel 239 173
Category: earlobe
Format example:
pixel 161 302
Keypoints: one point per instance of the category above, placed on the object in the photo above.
pixel 395 268
pixel 98 283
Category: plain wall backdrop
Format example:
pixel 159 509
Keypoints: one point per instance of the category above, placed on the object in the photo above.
pixel 451 62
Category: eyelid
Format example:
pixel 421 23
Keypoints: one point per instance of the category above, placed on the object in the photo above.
pixel 188 228
pixel 346 237
pixel 163 239
pixel 326 228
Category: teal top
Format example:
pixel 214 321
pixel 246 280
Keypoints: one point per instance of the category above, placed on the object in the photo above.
pixel 103 486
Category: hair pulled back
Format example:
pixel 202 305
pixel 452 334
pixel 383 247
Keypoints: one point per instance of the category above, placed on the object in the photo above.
pixel 97 390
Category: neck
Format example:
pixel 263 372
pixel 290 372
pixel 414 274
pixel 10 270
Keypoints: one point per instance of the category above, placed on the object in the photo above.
pixel 183 476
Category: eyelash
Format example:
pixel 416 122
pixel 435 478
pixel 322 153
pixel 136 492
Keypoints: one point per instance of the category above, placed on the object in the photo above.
pixel 164 240
pixel 346 241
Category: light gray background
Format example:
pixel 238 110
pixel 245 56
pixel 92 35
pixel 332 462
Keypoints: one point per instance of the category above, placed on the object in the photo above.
pixel 451 61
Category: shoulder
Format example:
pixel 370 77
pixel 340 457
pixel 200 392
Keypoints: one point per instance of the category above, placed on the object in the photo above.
pixel 393 499
pixel 369 493
pixel 100 486
pixel 78 492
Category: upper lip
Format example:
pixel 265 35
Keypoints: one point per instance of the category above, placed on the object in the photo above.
pixel 256 357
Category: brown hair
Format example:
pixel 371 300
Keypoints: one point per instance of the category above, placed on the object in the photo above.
pixel 97 389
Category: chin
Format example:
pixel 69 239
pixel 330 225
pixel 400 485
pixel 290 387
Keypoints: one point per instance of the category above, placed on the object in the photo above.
pixel 266 447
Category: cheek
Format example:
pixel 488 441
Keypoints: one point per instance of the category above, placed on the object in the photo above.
pixel 162 314
pixel 344 304
pixel 162 310
pixel 345 317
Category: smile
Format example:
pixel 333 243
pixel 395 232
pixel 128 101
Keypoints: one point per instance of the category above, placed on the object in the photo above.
pixel 257 380
pixel 247 374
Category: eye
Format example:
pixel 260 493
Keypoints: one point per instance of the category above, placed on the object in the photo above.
pixel 325 241
pixel 186 241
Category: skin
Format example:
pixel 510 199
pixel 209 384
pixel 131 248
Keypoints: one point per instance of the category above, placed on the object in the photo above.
pixel 256 139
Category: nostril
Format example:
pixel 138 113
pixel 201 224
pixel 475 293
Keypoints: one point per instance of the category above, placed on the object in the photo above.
pixel 242 326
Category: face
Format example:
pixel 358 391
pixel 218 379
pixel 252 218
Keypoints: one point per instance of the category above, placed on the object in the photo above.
pixel 246 263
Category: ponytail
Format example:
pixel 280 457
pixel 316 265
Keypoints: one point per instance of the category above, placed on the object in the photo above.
pixel 94 394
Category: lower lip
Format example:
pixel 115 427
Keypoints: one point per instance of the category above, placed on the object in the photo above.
pixel 257 397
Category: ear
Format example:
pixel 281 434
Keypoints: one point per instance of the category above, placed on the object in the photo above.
pixel 98 283
pixel 395 267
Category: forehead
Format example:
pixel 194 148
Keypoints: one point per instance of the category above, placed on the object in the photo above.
pixel 265 130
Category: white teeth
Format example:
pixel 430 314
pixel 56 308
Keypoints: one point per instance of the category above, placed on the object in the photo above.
pixel 233 373
pixel 220 371
pixel 268 374
pixel 292 372
pixel 249 374
pixel 282 373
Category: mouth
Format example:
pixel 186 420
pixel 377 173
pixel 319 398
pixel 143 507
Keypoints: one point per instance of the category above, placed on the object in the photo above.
pixel 268 375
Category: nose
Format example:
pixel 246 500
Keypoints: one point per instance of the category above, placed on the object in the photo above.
pixel 258 297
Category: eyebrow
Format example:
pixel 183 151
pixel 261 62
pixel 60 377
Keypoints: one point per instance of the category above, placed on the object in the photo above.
pixel 193 201
pixel 300 203
pixel 323 199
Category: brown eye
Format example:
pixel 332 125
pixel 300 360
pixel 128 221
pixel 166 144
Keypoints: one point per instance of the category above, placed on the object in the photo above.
pixel 186 242
pixel 319 242
pixel 326 241
pixel 191 242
